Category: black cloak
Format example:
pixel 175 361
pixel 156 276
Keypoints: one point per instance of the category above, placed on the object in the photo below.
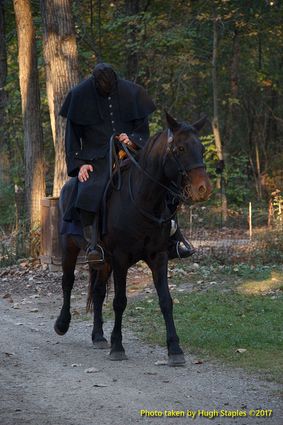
pixel 82 106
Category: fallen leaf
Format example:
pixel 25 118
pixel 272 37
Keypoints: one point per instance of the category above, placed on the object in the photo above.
pixel 9 354
pixel 198 362
pixel 91 370
pixel 241 350
pixel 161 363
pixel 148 290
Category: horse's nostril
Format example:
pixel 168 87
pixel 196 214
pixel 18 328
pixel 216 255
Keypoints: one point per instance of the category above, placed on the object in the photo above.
pixel 202 190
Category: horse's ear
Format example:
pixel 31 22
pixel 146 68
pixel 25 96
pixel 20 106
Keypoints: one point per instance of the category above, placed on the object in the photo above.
pixel 200 123
pixel 172 123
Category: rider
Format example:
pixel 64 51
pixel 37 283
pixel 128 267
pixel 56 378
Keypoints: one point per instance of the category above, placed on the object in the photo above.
pixel 95 109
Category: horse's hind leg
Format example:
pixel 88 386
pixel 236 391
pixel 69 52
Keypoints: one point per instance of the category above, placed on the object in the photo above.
pixel 117 351
pixel 97 292
pixel 70 252
pixel 159 272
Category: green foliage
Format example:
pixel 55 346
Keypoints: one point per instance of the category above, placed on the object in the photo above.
pixel 7 205
pixel 277 203
pixel 210 155
pixel 239 187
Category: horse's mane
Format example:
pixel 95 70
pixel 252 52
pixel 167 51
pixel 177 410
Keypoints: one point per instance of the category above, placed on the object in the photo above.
pixel 154 149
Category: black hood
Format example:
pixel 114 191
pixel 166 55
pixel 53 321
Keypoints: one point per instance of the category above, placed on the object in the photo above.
pixel 105 79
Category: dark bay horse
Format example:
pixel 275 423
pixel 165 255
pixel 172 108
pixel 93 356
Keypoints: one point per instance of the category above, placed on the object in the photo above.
pixel 138 228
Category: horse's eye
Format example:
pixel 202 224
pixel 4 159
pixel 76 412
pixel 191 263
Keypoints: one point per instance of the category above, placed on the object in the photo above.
pixel 181 148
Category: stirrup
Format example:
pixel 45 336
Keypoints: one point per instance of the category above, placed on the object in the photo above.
pixel 187 247
pixel 101 260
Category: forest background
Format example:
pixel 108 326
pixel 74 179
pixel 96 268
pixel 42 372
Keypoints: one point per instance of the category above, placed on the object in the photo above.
pixel 223 58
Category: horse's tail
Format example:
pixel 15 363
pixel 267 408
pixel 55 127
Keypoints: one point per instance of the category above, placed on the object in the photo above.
pixel 100 278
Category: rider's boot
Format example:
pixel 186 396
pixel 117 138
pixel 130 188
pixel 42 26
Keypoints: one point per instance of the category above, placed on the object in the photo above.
pixel 179 246
pixel 94 252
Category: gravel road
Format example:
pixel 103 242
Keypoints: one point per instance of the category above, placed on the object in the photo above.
pixel 50 380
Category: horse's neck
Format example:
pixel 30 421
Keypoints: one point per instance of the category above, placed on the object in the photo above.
pixel 147 191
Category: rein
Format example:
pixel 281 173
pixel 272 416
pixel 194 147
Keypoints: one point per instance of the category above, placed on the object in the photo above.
pixel 181 172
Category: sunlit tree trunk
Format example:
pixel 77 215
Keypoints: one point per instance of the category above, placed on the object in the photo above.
pixel 215 121
pixel 3 95
pixel 60 54
pixel 29 86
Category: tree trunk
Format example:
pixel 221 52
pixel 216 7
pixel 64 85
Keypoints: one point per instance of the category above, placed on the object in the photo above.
pixel 3 95
pixel 215 121
pixel 61 60
pixel 234 90
pixel 132 8
pixel 29 86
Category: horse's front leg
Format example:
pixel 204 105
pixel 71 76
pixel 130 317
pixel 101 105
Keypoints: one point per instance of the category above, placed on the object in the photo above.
pixel 98 283
pixel 117 351
pixel 159 268
pixel 70 253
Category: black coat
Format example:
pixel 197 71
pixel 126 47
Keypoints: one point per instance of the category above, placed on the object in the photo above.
pixel 91 120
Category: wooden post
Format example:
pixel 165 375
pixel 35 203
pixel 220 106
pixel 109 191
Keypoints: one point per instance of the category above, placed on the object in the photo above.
pixel 270 213
pixel 50 240
pixel 191 220
pixel 250 220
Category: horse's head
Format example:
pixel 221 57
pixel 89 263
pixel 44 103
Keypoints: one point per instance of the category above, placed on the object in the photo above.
pixel 184 160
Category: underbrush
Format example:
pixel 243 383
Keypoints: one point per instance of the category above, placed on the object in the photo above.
pixel 16 243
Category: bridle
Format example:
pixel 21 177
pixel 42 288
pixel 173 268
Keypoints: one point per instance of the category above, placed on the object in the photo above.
pixel 181 171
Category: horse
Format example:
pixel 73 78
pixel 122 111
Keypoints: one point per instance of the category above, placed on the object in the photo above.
pixel 138 228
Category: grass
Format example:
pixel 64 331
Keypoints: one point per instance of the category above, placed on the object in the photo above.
pixel 243 310
pixel 215 324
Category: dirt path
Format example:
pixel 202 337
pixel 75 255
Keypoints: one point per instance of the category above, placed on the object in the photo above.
pixel 43 378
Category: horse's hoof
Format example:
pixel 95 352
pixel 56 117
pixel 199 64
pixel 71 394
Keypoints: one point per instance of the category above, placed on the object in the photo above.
pixel 101 344
pixel 61 330
pixel 118 356
pixel 176 360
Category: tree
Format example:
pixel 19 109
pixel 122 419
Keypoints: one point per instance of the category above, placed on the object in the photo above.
pixel 30 99
pixel 60 54
pixel 3 95
pixel 215 121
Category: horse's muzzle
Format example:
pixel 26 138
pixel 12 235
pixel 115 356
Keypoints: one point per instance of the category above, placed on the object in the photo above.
pixel 197 186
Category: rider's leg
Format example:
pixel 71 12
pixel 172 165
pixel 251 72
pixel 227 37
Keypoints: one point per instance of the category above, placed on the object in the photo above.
pixel 179 246
pixel 91 234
